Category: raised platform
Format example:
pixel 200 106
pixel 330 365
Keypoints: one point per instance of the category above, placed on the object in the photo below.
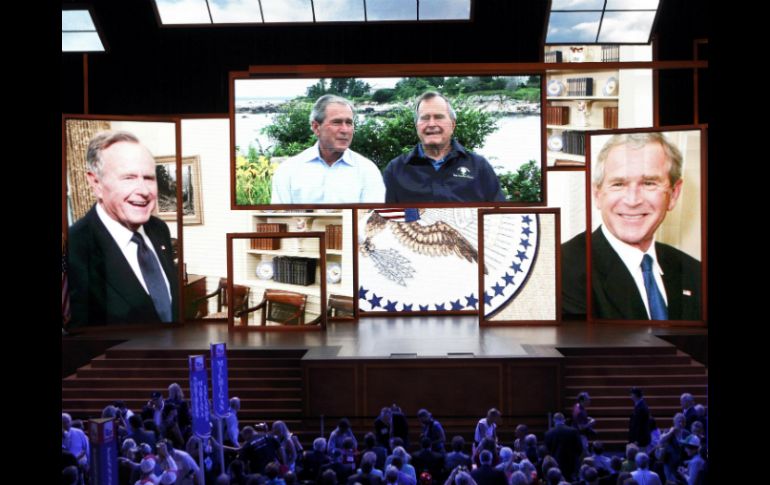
pixel 447 364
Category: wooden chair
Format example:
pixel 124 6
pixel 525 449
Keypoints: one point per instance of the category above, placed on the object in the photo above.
pixel 240 302
pixel 340 306
pixel 283 307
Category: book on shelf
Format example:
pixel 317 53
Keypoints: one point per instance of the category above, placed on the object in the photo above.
pixel 294 270
pixel 611 117
pixel 557 115
pixel 268 242
pixel 610 53
pixel 553 56
pixel 567 163
pixel 334 236
pixel 574 142
pixel 580 86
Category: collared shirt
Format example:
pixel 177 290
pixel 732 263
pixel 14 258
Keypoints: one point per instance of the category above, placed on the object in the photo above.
pixel 436 163
pixel 632 259
pixel 122 237
pixel 485 430
pixel 463 177
pixel 76 442
pixel 307 179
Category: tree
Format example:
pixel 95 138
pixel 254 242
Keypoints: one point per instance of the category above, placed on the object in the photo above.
pixel 317 90
pixel 383 95
pixel 291 129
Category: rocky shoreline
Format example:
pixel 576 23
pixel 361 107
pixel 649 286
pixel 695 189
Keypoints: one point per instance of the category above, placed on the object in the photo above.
pixel 492 104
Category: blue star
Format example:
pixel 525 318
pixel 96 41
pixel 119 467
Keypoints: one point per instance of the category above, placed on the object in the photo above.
pixel 440 307
pixel 525 243
pixel 391 306
pixel 424 308
pixel 521 255
pixel 527 231
pixel 471 301
pixel 487 298
pixel 408 308
pixel 508 279
pixel 375 301
pixel 456 305
pixel 362 293
pixel 526 219
pixel 516 268
pixel 498 289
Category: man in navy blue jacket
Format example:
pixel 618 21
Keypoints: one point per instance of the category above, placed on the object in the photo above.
pixel 439 169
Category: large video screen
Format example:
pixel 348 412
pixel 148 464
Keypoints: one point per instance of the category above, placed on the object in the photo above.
pixel 349 141
pixel 120 222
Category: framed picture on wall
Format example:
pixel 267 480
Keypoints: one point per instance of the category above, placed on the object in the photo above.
pixel 192 205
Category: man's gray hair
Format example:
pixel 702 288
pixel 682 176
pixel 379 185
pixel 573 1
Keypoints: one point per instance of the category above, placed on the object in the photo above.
pixel 102 141
pixel 318 114
pixel 642 460
pixel 637 141
pixel 430 95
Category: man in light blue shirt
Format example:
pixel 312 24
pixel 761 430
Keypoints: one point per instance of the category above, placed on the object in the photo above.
pixel 329 172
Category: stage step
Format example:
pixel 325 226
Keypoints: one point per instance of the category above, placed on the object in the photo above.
pixel 624 390
pixel 144 392
pixel 598 400
pixel 679 359
pixel 184 353
pixel 161 384
pixel 635 380
pixel 617 351
pixel 179 374
pixel 269 382
pixel 624 370
pixel 103 362
pixel 663 372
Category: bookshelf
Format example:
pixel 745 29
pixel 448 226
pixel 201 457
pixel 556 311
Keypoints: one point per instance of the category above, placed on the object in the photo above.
pixel 337 225
pixel 582 100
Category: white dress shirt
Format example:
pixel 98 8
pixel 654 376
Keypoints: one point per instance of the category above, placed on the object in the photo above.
pixel 307 179
pixel 122 236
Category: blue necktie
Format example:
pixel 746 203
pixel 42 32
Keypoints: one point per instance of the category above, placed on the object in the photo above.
pixel 153 278
pixel 658 310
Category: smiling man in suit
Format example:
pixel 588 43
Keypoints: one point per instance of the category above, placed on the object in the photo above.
pixel 636 181
pixel 120 256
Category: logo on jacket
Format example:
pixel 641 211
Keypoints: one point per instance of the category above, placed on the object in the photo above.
pixel 463 172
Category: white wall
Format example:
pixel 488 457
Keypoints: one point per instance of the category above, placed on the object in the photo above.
pixel 205 245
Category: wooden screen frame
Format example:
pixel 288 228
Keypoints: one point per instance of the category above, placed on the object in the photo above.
pixel 232 236
pixel 703 129
pixel 556 212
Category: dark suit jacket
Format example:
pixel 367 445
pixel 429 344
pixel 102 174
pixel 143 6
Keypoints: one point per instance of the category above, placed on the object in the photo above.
pixel 103 288
pixel 563 443
pixel 613 291
pixel 487 475
pixel 639 424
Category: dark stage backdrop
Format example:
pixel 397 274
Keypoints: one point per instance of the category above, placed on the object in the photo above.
pixel 152 70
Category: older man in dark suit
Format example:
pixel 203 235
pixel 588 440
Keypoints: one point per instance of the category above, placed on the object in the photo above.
pixel 121 266
pixel 636 181
pixel 563 443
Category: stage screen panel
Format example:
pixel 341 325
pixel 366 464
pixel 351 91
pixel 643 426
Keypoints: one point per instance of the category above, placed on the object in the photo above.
pixel 120 221
pixel 275 164
pixel 647 239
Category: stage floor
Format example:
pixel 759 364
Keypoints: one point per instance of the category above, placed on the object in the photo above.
pixel 404 337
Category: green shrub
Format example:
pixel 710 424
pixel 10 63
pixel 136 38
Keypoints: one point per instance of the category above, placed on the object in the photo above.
pixel 524 185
